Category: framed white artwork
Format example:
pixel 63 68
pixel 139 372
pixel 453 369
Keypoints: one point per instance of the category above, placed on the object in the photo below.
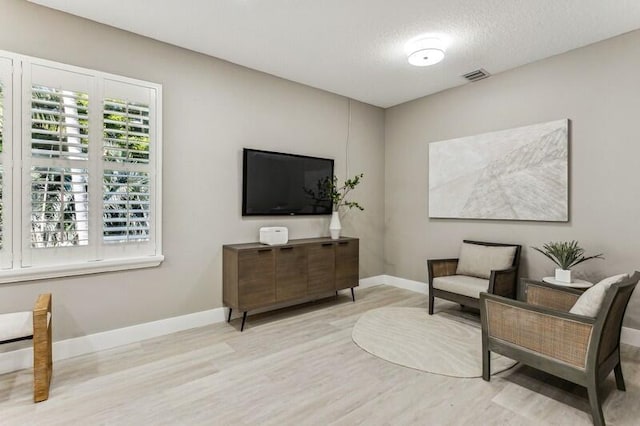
pixel 515 174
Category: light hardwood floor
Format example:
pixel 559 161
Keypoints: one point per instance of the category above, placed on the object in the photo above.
pixel 297 366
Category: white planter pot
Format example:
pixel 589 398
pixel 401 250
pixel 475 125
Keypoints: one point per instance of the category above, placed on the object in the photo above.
pixel 563 275
pixel 334 226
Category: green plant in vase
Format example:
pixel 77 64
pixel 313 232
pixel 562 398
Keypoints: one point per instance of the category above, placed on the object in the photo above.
pixel 337 194
pixel 565 255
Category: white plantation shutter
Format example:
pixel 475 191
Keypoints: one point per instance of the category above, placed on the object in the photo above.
pixel 3 83
pixel 126 132
pixel 56 210
pixel 126 193
pixel 59 207
pixel 129 158
pixel 127 206
pixel 79 170
pixel 59 123
pixel 6 136
pixel 59 195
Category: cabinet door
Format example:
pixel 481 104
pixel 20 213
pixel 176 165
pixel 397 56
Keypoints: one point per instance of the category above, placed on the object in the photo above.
pixel 347 260
pixel 321 268
pixel 291 273
pixel 256 278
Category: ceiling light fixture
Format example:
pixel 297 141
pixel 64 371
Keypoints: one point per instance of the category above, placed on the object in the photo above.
pixel 425 51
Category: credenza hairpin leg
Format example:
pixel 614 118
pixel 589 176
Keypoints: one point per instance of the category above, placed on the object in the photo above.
pixel 353 295
pixel 244 318
pixel 229 317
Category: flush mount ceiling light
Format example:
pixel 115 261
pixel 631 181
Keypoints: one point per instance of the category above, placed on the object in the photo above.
pixel 425 51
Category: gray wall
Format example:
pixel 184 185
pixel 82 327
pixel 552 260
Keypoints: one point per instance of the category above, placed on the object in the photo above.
pixel 212 109
pixel 217 108
pixel 598 89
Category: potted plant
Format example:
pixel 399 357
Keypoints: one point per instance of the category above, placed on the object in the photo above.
pixel 337 194
pixel 566 255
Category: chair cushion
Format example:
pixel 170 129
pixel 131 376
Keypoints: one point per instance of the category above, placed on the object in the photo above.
pixel 462 284
pixel 16 325
pixel 590 301
pixel 478 261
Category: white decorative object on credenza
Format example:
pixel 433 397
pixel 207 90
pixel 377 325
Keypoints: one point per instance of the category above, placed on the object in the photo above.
pixel 274 235
pixel 337 194
pixel 334 226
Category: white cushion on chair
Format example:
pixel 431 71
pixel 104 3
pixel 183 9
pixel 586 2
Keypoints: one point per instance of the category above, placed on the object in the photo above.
pixel 479 260
pixel 590 301
pixel 16 325
pixel 462 284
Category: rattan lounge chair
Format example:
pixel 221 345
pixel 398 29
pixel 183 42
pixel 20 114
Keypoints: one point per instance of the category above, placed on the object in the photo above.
pixel 448 281
pixel 543 334
pixel 34 325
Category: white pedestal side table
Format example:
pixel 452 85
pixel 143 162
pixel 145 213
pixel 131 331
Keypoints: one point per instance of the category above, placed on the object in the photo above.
pixel 576 283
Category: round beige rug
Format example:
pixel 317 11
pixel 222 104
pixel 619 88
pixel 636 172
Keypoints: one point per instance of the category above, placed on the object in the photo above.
pixel 441 343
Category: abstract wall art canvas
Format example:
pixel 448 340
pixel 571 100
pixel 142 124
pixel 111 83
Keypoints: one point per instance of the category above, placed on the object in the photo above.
pixel 515 174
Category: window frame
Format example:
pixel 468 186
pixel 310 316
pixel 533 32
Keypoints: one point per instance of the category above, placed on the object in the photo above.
pixel 18 260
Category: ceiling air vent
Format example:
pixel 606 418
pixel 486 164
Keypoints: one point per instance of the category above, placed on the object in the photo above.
pixel 476 75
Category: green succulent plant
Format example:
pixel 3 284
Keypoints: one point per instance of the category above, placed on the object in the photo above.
pixel 565 254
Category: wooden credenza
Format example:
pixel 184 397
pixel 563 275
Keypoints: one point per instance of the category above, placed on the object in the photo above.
pixel 258 276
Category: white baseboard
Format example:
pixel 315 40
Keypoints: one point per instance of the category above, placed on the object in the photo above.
pixel 417 286
pixel 23 358
pixel 372 281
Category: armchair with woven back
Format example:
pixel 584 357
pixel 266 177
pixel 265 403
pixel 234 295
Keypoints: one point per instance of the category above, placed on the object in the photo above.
pixel 480 267
pixel 562 331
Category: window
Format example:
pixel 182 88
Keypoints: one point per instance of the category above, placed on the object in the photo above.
pixel 1 143
pixel 79 173
pixel 59 195
pixel 126 171
pixel 6 177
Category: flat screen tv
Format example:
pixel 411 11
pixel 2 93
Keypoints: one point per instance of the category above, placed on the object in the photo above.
pixel 276 183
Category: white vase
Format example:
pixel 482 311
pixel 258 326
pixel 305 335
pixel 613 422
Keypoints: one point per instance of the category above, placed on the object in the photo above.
pixel 334 226
pixel 563 275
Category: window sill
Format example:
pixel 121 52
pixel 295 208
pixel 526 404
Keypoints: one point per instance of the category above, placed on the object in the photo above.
pixel 95 267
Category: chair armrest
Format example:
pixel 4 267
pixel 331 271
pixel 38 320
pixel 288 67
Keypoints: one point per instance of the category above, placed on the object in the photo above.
pixel 539 293
pixel 43 303
pixel 441 268
pixel 504 282
pixel 558 335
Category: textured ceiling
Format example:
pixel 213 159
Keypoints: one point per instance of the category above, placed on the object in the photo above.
pixel 356 47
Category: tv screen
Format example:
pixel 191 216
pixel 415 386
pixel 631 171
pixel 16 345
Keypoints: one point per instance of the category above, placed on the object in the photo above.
pixel 276 183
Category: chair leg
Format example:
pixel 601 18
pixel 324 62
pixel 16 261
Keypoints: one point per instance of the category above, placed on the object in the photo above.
pixel 594 402
pixel 619 377
pixel 42 365
pixel 486 365
pixel 42 348
pixel 431 297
